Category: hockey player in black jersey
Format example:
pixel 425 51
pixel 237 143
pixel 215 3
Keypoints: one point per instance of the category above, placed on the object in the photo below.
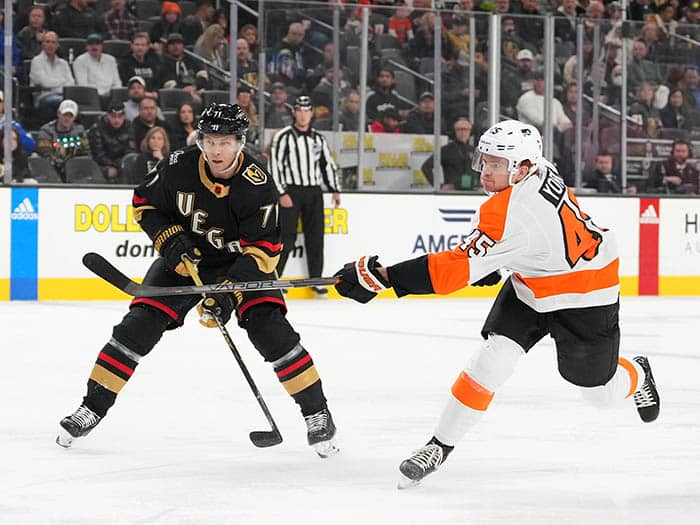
pixel 215 205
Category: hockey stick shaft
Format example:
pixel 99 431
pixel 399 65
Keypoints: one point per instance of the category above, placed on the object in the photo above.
pixel 259 439
pixel 104 269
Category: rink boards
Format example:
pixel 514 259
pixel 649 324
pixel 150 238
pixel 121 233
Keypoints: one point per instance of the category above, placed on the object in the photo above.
pixel 45 232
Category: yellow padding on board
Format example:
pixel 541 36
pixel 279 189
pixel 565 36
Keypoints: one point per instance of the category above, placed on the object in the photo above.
pixel 679 285
pixel 4 289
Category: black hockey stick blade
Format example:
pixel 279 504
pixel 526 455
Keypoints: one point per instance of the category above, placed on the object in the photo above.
pixel 107 271
pixel 265 438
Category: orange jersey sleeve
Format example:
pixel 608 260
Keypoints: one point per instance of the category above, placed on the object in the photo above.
pixel 455 269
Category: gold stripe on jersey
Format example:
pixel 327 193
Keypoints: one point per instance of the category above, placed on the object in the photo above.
pixel 302 381
pixel 218 190
pixel 265 263
pixel 138 212
pixel 107 379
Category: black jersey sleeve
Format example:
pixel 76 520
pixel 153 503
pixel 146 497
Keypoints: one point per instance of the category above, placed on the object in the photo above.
pixel 151 200
pixel 255 206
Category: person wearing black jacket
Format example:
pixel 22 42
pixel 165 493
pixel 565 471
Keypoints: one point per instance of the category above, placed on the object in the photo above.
pixel 603 179
pixel 142 62
pixel 147 119
pixel 421 120
pixel 109 142
pixel 77 20
pixel 456 160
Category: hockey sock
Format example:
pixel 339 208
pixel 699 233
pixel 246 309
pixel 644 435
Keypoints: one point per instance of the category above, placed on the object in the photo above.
pixel 463 409
pixel 114 366
pixel 298 375
pixel 628 377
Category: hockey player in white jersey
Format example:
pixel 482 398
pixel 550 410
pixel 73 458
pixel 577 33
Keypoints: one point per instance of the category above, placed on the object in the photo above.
pixel 564 283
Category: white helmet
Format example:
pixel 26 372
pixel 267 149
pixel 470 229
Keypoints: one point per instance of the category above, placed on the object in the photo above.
pixel 512 140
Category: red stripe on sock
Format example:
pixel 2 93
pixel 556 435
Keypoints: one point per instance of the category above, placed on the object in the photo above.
pixel 116 364
pixel 294 366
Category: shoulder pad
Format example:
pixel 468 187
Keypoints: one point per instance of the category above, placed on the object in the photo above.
pixel 255 174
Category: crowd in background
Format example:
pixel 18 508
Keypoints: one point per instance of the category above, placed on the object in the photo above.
pixel 149 67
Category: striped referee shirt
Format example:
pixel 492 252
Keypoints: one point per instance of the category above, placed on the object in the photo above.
pixel 302 158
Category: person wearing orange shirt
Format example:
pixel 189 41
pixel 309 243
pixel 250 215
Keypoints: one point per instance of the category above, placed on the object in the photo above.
pixel 564 282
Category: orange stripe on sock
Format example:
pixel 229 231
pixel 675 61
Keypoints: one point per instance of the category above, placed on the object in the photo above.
pixel 470 393
pixel 632 371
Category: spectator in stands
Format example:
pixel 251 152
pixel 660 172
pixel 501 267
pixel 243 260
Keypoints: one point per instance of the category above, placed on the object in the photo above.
pixel 383 94
pixel 423 42
pixel 689 25
pixel 250 33
pixel 154 147
pixel 212 46
pixel 15 47
pixel 570 67
pixel 530 106
pixel 20 162
pixel 640 69
pixel 420 120
pixel 595 13
pixel 641 9
pixel 676 174
pixel 288 62
pixel 565 23
pixel 665 19
pixel 247 67
pixel 77 20
pixel 511 42
pixel 322 94
pixel 531 27
pixel 170 22
pixel 109 143
pixel 28 143
pixel 388 121
pixel 184 126
pixel 400 26
pixel 143 62
pixel 603 179
pixel 569 105
pixel 349 118
pixel 278 113
pixel 327 62
pixel 50 74
pixel 644 107
pixel 196 24
pixel 455 87
pixel 221 17
pixel 245 100
pixel 136 91
pixel 677 115
pixel 456 160
pixel 147 119
pixel 690 84
pixel 120 24
pixel 182 71
pixel 30 36
pixel 97 69
pixel 517 82
pixel 460 38
pixel 63 138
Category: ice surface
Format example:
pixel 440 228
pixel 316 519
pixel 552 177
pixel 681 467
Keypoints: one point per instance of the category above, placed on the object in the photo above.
pixel 175 449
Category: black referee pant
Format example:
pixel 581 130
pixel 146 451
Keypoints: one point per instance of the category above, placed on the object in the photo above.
pixel 308 202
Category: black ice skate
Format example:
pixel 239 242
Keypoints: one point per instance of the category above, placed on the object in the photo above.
pixel 321 433
pixel 424 461
pixel 78 424
pixel 647 397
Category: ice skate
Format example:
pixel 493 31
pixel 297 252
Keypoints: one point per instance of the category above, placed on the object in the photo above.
pixel 321 433
pixel 647 397
pixel 78 424
pixel 424 461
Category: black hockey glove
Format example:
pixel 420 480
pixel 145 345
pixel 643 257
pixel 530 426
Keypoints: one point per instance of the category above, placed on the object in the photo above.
pixel 360 280
pixel 173 244
pixel 490 280
pixel 220 305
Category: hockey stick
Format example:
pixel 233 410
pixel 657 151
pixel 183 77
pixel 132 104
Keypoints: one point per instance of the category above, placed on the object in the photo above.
pixel 104 269
pixel 259 438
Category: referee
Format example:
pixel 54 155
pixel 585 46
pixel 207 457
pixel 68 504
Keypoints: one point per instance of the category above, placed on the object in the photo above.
pixel 300 161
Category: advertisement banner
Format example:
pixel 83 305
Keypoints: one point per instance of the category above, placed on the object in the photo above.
pixel 24 223
pixel 679 247
pixel 5 210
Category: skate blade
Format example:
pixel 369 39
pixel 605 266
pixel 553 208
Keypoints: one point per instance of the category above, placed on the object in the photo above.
pixel 64 439
pixel 407 483
pixel 326 449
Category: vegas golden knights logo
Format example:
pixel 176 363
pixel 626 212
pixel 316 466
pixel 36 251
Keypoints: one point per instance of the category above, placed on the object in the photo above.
pixel 255 175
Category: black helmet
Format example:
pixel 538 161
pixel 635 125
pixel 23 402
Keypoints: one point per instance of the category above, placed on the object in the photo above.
pixel 223 119
pixel 303 101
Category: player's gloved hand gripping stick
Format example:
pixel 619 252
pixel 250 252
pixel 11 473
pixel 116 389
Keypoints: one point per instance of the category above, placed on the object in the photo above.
pixel 259 438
